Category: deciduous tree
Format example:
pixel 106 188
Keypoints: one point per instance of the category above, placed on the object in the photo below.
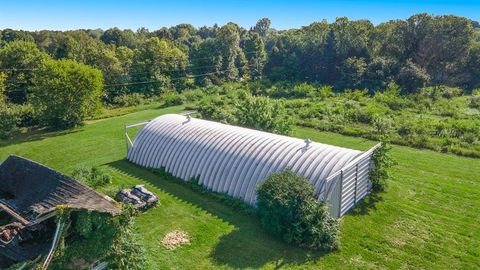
pixel 19 60
pixel 65 93
pixel 155 64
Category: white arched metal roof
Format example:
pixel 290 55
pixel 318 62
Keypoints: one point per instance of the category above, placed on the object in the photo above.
pixel 231 159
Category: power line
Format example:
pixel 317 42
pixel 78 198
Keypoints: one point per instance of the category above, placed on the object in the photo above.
pixel 18 69
pixel 192 65
pixel 173 79
pixel 128 74
pixel 15 90
pixel 141 73
pixel 133 74
pixel 213 56
pixel 152 81
pixel 172 70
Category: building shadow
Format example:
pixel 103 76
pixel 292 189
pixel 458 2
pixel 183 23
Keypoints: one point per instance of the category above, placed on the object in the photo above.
pixel 247 246
pixel 366 205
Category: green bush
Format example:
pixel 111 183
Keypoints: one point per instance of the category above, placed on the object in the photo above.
pixel 193 95
pixel 263 113
pixel 365 114
pixel 356 95
pixel 128 100
pixel 27 115
pixel 450 92
pixel 288 209
pixel 216 108
pixel 89 237
pixel 475 102
pixel 65 93
pixel 93 177
pixel 324 92
pixel 9 119
pixel 3 97
pixel 281 89
pixel 446 108
pixel 100 236
pixel 127 252
pixel 391 97
pixel 83 225
pixel 382 125
pixel 440 91
pixel 382 162
pixel 172 98
pixel 297 103
pixel 304 90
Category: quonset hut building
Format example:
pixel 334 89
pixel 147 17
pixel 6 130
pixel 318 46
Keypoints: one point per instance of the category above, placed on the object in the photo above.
pixel 234 160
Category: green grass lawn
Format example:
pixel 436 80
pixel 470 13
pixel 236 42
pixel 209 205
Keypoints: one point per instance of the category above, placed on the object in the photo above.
pixel 429 218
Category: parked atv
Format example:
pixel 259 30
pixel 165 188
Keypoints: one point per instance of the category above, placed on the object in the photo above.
pixel 138 196
pixel 126 196
pixel 145 195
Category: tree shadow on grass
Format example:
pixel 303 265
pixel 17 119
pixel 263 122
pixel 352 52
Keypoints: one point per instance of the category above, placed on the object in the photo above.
pixel 36 135
pixel 247 246
pixel 367 204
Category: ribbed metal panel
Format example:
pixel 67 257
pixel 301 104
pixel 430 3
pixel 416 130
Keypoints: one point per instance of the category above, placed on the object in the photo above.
pixel 234 160
pixel 355 182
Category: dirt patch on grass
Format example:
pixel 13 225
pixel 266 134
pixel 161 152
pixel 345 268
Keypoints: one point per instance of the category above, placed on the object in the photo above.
pixel 175 239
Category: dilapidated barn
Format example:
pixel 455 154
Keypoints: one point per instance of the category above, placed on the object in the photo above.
pixel 234 160
pixel 29 196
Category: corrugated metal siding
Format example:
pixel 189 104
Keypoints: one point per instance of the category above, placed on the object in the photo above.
pixel 234 160
pixel 355 182
pixel 332 193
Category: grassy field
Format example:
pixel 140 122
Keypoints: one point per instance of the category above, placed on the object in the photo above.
pixel 429 218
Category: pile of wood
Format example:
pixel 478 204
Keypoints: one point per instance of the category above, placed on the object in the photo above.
pixel 175 239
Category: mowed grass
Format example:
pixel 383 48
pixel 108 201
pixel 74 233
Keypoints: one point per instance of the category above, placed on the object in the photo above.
pixel 429 218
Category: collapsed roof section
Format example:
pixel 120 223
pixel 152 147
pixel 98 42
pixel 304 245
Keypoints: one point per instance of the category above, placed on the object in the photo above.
pixel 33 190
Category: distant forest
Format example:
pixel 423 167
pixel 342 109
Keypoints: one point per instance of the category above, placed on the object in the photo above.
pixel 420 51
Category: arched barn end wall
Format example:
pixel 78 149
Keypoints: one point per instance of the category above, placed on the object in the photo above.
pixel 234 160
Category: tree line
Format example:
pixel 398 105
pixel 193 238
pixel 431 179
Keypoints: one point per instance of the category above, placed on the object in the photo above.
pixel 420 51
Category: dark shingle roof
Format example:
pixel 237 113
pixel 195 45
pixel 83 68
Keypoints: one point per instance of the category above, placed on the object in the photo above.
pixel 37 189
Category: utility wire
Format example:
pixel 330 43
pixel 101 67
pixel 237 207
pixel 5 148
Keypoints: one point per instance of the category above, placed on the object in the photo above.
pixel 18 69
pixel 213 56
pixel 173 79
pixel 154 81
pixel 131 74
pixel 126 74
pixel 171 70
pixel 141 73
pixel 192 65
